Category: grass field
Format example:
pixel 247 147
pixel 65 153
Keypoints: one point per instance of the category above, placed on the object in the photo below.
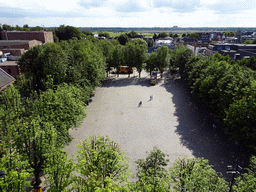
pixel 151 33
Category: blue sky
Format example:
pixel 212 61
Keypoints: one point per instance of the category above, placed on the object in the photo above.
pixel 129 13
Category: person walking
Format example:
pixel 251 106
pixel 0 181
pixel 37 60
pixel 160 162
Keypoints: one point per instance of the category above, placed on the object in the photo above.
pixel 140 103
pixel 151 97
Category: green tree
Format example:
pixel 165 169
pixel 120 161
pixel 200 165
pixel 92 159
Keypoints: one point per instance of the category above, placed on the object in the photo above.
pixel 250 63
pixel 40 61
pixel 37 28
pixel 151 62
pixel 132 34
pixel 184 35
pixel 25 26
pixel 60 173
pixel 139 41
pixel 196 175
pixel 64 108
pixel 17 28
pixel 230 33
pixel 104 34
pixel 247 181
pixel 115 42
pixel 182 55
pixel 194 35
pixel 129 55
pixel 117 57
pixel 155 37
pixel 150 44
pixel 152 173
pixel 247 42
pixel 123 39
pixel 107 49
pixel 162 58
pixel 240 120
pixel 100 158
pixel 32 137
pixel 163 34
pixel 7 27
pixel 175 35
pixel 88 66
pixel 35 125
pixel 68 32
pixel 17 171
pixel 254 41
pixel 87 33
pixel 140 54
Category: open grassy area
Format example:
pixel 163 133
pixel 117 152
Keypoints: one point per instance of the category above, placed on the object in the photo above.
pixel 151 33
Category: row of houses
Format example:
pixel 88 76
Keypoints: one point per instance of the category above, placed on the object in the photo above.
pixel 208 37
pixel 235 51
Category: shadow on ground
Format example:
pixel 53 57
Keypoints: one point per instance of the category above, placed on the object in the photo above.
pixel 197 133
pixel 124 80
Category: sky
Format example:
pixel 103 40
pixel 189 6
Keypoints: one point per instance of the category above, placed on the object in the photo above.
pixel 129 13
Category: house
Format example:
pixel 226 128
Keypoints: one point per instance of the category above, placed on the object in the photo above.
pixel 5 79
pixel 149 40
pixel 205 38
pixel 43 36
pixel 235 51
pixel 10 67
pixel 18 44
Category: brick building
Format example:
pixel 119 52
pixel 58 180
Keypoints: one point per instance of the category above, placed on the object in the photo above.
pixel 18 44
pixel 10 67
pixel 14 52
pixel 43 36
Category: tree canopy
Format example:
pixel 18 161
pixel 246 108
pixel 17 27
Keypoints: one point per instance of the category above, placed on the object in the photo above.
pixel 123 39
pixel 194 35
pixel 68 32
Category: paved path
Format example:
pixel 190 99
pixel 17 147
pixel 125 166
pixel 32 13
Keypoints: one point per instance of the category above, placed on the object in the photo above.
pixel 174 121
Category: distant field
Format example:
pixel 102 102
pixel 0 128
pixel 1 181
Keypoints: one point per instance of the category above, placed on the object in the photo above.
pixel 150 33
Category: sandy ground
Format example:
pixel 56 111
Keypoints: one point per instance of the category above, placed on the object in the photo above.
pixel 174 121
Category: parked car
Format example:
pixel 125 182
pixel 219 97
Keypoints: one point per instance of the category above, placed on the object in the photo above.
pixel 125 69
pixel 153 82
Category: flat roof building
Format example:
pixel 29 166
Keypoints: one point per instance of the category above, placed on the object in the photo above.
pixel 43 36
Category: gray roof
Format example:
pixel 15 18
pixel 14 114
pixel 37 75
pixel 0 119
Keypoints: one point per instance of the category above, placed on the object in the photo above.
pixel 5 79
pixel 13 42
pixel 8 63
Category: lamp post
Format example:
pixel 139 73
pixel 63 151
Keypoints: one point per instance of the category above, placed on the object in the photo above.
pixel 230 170
pixel 2 173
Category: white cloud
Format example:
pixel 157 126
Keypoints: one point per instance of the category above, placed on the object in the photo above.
pixel 178 5
pixel 91 3
pixel 232 7
pixel 125 13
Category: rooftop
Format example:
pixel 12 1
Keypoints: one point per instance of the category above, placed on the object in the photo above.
pixel 5 79
pixel 27 31
pixel 8 63
pixel 13 42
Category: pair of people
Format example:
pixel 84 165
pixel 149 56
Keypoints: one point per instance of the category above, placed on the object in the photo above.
pixel 151 98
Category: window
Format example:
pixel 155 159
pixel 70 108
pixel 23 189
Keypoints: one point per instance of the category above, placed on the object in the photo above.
pixel 9 71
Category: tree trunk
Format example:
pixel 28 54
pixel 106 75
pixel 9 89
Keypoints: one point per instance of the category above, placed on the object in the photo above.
pixel 37 178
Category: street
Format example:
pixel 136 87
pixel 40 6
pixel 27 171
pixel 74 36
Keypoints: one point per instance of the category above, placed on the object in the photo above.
pixel 174 121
